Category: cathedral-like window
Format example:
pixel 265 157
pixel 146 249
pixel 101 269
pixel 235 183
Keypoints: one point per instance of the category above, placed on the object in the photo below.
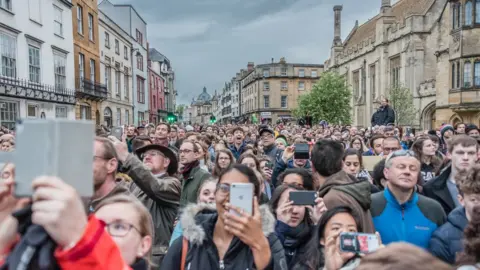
pixel 477 11
pixel 468 13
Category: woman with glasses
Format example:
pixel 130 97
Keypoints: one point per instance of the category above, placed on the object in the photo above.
pixel 222 240
pixel 118 235
pixel 223 160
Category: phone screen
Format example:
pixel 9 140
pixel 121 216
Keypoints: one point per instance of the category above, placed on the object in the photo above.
pixel 269 165
pixel 360 243
pixel 303 197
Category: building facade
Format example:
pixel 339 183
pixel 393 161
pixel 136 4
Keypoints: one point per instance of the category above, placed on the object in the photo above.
pixel 90 91
pixel 131 22
pixel 200 109
pixel 157 97
pixel 428 46
pixel 162 67
pixel 225 100
pixel 37 67
pixel 269 92
pixel 115 72
pixel 235 105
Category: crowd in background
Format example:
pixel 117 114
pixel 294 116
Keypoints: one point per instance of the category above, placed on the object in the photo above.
pixel 161 200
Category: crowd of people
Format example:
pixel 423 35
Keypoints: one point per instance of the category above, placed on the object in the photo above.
pixel 162 200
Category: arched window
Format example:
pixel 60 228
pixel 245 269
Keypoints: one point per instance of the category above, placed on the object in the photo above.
pixel 467 74
pixel 453 75
pixel 468 13
pixel 477 11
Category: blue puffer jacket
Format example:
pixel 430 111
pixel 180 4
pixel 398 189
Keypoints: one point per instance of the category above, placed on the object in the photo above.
pixel 447 240
pixel 413 222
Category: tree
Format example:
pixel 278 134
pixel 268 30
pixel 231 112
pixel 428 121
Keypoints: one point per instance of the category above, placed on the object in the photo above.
pixel 180 109
pixel 401 100
pixel 329 100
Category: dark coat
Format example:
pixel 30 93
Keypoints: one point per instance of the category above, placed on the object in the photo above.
pixel 447 240
pixel 161 196
pixel 198 226
pixel 437 189
pixel 383 116
pixel 191 185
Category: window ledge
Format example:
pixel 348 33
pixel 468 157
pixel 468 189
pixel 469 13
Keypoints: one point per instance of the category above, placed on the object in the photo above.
pixel 57 35
pixel 8 11
pixel 35 22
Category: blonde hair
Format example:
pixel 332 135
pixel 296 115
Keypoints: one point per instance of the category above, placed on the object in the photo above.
pixel 145 222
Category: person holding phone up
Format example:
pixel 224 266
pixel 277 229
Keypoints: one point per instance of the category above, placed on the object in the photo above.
pixel 290 160
pixel 295 221
pixel 225 239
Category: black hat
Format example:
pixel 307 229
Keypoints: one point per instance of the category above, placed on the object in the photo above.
pixel 470 127
pixel 172 167
pixel 265 129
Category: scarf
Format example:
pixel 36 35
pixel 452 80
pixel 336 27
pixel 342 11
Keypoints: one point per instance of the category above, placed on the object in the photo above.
pixel 140 264
pixel 188 167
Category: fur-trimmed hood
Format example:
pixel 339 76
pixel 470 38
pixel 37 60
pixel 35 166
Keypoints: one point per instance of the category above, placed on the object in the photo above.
pixel 195 216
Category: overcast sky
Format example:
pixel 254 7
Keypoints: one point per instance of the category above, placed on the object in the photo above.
pixel 208 41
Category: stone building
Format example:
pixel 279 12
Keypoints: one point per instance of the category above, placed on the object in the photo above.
pixel 270 91
pixel 36 67
pixel 424 45
pixel 115 72
pixel 200 109
pixel 90 91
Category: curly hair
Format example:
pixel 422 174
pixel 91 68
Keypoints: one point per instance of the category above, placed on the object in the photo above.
pixel 471 253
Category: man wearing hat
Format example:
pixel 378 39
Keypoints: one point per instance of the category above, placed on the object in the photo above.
pixel 267 136
pixel 154 185
pixel 472 131
pixel 446 132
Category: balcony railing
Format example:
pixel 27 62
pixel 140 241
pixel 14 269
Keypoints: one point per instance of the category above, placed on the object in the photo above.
pixel 91 90
pixel 23 88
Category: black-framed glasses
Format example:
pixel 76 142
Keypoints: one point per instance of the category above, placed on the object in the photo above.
pixel 120 228
pixel 223 187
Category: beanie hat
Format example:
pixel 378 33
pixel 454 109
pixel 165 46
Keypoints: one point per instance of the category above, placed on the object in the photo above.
pixel 445 128
pixel 470 127
pixel 282 139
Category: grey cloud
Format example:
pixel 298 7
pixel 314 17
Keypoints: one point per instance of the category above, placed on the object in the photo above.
pixel 208 41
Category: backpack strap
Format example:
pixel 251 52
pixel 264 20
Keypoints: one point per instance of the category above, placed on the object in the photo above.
pixel 184 253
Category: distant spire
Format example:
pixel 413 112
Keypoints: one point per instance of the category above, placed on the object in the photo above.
pixel 204 89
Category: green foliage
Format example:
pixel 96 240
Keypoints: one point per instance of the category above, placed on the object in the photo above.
pixel 329 100
pixel 180 109
pixel 401 100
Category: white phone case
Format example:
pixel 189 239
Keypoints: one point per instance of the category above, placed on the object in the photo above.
pixel 241 196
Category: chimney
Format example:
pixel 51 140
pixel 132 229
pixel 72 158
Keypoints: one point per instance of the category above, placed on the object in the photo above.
pixel 337 36
pixel 386 6
pixel 250 66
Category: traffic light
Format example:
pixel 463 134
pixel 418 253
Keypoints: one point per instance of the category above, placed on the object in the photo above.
pixel 213 119
pixel 171 118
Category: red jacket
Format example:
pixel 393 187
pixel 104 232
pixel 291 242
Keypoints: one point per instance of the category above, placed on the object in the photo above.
pixel 96 250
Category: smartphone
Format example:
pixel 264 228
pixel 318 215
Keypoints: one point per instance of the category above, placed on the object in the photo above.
pixel 303 197
pixel 241 196
pixel 118 132
pixel 359 243
pixel 65 151
pixel 301 151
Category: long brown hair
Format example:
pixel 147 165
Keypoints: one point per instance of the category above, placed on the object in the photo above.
pixel 216 169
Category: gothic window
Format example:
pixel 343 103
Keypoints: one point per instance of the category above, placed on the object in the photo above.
pixel 468 13
pixel 356 84
pixel 467 74
pixel 477 11
pixel 476 73
pixel 458 75
pixel 372 81
pixel 395 67
pixel 453 75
